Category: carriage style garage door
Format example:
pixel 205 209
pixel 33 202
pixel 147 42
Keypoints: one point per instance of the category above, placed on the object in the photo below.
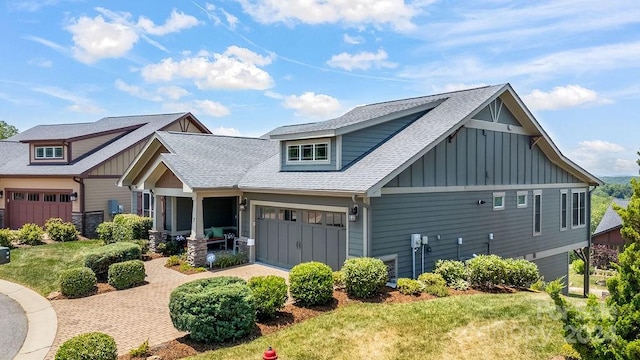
pixel 37 206
pixel 286 237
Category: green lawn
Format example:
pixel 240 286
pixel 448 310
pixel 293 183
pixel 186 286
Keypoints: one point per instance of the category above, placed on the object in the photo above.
pixel 39 267
pixel 502 326
pixel 577 280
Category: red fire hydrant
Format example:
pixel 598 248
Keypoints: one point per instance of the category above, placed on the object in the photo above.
pixel 270 354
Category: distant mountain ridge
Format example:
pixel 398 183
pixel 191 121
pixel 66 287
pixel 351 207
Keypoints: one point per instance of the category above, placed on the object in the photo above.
pixel 623 180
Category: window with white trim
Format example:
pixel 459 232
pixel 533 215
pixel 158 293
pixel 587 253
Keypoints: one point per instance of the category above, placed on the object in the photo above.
pixel 578 207
pixel 308 152
pixel 521 199
pixel 498 201
pixel 564 209
pixel 537 212
pixel 49 152
pixel 147 204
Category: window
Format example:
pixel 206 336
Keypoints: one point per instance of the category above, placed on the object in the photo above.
pixel 498 201
pixel 147 204
pixel 65 198
pixel 50 197
pixel 49 152
pixel 18 196
pixel 578 206
pixel 33 197
pixel 522 199
pixel 564 212
pixel 308 152
pixel 537 212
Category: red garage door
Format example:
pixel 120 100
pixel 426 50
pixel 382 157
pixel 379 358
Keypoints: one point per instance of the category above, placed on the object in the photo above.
pixel 36 207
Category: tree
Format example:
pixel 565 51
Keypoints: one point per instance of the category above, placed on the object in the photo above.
pixel 6 130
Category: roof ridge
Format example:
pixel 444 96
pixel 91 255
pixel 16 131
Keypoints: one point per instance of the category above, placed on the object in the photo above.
pixel 212 135
pixel 143 115
pixel 433 95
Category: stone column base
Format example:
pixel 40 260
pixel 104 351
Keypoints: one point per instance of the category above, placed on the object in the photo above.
pixel 156 237
pixel 196 251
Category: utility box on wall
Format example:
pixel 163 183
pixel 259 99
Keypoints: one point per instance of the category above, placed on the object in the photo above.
pixel 114 208
pixel 5 255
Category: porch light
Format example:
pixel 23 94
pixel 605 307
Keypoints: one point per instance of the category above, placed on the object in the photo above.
pixel 243 204
pixel 353 213
pixel 73 196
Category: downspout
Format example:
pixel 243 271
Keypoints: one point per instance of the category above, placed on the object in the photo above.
pixel 82 205
pixel 587 256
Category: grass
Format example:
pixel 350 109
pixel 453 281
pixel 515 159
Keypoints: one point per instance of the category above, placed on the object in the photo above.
pixel 514 326
pixel 577 280
pixel 38 267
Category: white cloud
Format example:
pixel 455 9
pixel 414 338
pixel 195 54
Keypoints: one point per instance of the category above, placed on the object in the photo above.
pixel 561 97
pixel 232 20
pixel 221 130
pixel 394 13
pixel 361 61
pixel 172 92
pixel 236 68
pixel 204 107
pixel 311 104
pixel 41 63
pixel 96 38
pixel 136 91
pixel 79 103
pixel 601 157
pixel 353 40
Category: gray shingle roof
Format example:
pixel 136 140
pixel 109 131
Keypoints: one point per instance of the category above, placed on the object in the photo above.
pixel 213 161
pixel 385 159
pixel 17 163
pixel 611 220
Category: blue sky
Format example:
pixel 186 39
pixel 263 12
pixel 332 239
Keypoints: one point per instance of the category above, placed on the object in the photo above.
pixel 244 67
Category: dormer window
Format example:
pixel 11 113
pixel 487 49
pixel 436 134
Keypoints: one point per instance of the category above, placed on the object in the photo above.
pixel 49 152
pixel 308 152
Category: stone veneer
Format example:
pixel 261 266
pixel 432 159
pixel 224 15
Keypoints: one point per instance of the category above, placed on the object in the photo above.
pixel 2 219
pixel 91 221
pixel 155 238
pixel 76 219
pixel 196 251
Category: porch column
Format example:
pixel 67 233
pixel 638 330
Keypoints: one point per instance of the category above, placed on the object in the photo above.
pixel 196 243
pixel 156 234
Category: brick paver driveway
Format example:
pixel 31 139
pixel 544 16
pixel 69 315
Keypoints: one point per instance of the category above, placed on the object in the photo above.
pixel 131 316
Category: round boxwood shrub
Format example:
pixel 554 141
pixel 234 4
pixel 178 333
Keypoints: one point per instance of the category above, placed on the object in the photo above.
pixel 409 286
pixel 126 274
pixel 94 346
pixel 213 310
pixel 6 237
pixel 77 282
pixel 521 273
pixel 486 271
pixel 311 283
pixel 30 234
pixel 59 230
pixel 429 279
pixel 452 271
pixel 105 232
pixel 364 277
pixel 269 293
pixel 101 258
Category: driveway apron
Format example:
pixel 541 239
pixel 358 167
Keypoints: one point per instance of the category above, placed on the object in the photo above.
pixel 13 327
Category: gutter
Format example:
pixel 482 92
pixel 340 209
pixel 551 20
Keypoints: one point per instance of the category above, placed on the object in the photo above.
pixel 82 204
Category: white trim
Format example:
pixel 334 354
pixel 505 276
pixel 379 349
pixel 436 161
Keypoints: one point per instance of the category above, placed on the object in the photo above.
pixel 555 251
pixel 171 192
pixel 536 193
pixel 579 191
pixel 44 152
pixel 526 199
pixel 442 189
pixel 498 195
pixel 300 144
pixel 300 192
pixel 365 231
pixel 338 152
pixel 499 127
pixel 565 192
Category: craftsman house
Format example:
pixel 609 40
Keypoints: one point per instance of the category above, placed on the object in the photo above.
pixel 70 170
pixel 407 181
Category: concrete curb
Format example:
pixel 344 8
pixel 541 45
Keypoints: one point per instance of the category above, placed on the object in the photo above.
pixel 42 319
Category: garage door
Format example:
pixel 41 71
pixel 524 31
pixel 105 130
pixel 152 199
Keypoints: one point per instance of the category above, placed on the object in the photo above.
pixel 37 207
pixel 286 237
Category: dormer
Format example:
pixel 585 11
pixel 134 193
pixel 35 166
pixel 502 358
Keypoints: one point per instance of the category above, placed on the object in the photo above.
pixel 336 144
pixel 48 152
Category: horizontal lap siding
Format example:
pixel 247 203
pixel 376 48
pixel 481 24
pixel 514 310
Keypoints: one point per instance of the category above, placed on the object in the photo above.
pixel 457 214
pixel 554 267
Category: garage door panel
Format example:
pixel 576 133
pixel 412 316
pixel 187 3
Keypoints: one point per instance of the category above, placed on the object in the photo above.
pixel 272 243
pixel 263 236
pixel 283 242
pixel 29 206
pixel 295 236
pixel 332 248
pixel 319 244
pixel 307 243
pixel 342 247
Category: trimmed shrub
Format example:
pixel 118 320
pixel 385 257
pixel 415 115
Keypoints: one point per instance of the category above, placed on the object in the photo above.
pixel 144 245
pixel 7 236
pixel 430 279
pixel 59 230
pixel 451 270
pixel 409 286
pixel 30 234
pixel 127 227
pixel 126 274
pixel 436 290
pixel 311 283
pixel 338 279
pixel 95 346
pixel 101 258
pixel 105 232
pixel 169 248
pixel 269 293
pixel 364 277
pixel 77 282
pixel 213 310
pixel 486 271
pixel 228 258
pixel 521 273
pixel 460 284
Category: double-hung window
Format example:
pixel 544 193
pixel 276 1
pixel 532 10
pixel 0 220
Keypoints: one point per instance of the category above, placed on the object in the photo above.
pixel 578 207
pixel 308 152
pixel 537 212
pixel 564 209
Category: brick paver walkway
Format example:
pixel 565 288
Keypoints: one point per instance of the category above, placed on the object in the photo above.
pixel 131 316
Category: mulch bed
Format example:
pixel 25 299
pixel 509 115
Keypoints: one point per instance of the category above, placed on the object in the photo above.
pixel 290 315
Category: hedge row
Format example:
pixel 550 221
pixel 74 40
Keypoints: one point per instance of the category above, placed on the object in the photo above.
pixel 101 258
pixel 125 227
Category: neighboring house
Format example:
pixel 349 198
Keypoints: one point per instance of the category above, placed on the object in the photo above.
pixel 471 170
pixel 608 230
pixel 70 170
